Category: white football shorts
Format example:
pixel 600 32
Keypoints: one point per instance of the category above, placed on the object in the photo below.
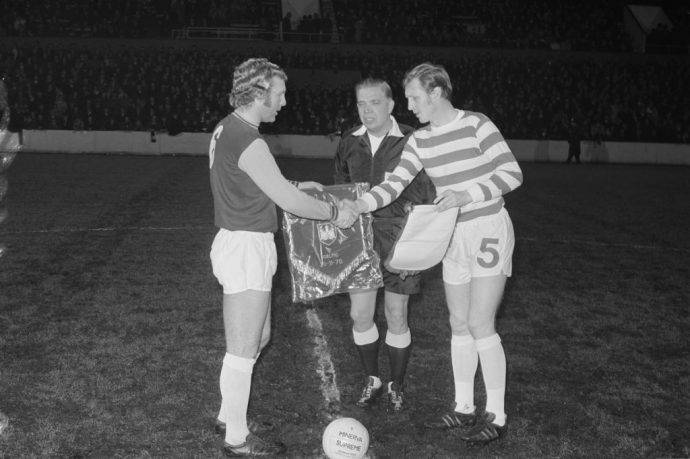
pixel 244 260
pixel 481 247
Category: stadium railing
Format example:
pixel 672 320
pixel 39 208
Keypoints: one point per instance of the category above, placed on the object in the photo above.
pixel 236 32
pixel 253 32
pixel 310 37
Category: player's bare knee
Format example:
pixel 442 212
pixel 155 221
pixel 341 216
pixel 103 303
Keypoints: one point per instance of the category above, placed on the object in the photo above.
pixel 361 326
pixel 396 320
pixel 481 328
pixel 458 324
pixel 397 327
pixel 362 319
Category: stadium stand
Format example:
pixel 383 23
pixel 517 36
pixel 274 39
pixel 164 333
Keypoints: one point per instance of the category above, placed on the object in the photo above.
pixel 565 24
pixel 151 84
pixel 529 96
pixel 130 18
pixel 534 24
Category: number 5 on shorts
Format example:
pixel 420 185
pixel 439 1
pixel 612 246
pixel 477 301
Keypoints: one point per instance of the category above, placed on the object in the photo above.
pixel 489 251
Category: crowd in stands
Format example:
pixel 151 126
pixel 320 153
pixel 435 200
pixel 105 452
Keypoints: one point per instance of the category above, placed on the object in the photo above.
pixel 582 25
pixel 164 88
pixel 309 28
pixel 129 18
pixel 534 24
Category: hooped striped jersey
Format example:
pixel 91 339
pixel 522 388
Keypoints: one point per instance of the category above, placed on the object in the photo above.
pixel 469 153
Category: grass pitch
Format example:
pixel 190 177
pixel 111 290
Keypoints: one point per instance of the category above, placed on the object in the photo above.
pixel 111 333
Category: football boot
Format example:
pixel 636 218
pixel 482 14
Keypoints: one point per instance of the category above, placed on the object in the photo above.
pixel 370 393
pixel 451 420
pixel 254 446
pixel 395 397
pixel 484 430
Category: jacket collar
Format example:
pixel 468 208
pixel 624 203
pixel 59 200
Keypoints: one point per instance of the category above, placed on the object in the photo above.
pixel 394 132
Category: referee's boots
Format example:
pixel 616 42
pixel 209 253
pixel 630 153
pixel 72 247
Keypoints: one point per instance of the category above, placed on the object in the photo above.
pixel 372 390
pixel 395 397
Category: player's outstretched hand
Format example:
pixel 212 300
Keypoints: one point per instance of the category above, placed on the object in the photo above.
pixel 359 206
pixel 347 214
pixel 450 198
pixel 310 186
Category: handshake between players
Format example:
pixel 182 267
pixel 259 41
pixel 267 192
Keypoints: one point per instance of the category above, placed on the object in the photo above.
pixel 348 212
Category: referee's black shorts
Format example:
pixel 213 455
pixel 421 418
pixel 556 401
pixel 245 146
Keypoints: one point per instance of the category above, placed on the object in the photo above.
pixel 386 231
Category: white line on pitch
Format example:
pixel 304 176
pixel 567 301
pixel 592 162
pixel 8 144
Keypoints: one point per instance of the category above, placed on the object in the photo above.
pixel 324 367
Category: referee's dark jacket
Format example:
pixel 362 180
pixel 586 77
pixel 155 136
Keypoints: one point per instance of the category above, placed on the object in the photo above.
pixel 355 163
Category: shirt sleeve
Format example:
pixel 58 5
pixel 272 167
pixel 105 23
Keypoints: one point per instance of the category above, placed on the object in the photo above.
pixel 258 162
pixel 507 174
pixel 388 191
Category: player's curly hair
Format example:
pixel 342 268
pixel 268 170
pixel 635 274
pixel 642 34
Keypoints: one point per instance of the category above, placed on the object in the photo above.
pixel 252 79
pixel 430 76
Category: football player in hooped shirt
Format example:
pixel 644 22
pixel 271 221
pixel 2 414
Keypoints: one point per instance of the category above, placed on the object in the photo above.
pixel 247 185
pixel 472 167
pixel 368 153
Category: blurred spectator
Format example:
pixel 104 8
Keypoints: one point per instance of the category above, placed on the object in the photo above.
pixel 574 138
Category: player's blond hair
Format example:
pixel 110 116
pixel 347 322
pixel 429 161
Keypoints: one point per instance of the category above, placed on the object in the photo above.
pixel 430 76
pixel 252 80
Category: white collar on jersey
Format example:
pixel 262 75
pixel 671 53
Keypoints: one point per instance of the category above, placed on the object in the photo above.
pixel 394 132
pixel 459 114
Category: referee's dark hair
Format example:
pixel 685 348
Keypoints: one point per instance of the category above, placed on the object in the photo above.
pixel 375 83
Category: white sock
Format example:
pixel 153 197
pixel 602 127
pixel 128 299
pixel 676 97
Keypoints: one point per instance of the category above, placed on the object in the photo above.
pixel 463 356
pixel 493 361
pixel 399 341
pixel 365 337
pixel 235 384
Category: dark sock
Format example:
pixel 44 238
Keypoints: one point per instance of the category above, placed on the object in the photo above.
pixel 398 358
pixel 369 354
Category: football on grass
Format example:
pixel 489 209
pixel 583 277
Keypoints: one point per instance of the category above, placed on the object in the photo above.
pixel 345 437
